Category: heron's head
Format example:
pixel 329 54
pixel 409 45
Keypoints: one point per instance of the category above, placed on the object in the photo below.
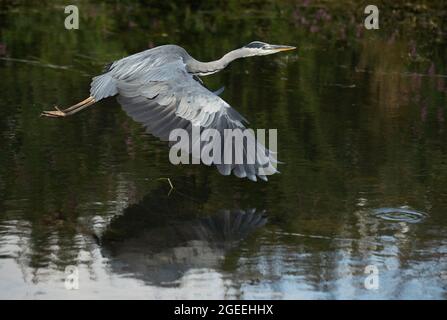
pixel 258 48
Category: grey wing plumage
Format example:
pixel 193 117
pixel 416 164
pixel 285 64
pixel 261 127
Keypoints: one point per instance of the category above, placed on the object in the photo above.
pixel 131 70
pixel 163 96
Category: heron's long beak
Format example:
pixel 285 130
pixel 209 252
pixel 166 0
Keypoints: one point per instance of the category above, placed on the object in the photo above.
pixel 279 48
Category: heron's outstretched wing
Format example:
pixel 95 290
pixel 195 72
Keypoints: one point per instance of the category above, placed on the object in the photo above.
pixel 167 97
pixel 137 68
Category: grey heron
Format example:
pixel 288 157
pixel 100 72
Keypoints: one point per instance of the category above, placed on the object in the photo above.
pixel 161 88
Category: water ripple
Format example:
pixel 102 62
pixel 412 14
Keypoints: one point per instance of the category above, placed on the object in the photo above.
pixel 402 214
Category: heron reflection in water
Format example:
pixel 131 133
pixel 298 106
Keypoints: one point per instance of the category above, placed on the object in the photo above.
pixel 161 89
pixel 160 241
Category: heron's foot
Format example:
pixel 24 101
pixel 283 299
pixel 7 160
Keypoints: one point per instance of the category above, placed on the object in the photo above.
pixel 58 113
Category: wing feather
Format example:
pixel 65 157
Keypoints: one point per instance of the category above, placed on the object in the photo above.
pixel 163 96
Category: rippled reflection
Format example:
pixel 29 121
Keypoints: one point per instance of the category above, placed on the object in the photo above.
pixel 148 242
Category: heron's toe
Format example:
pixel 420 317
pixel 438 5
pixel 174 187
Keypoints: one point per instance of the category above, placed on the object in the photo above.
pixel 53 114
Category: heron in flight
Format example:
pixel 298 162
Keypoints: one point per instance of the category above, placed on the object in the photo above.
pixel 161 89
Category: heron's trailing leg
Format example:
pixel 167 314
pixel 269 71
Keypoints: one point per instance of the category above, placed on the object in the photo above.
pixel 69 111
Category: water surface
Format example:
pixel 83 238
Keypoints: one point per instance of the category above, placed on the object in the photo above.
pixel 361 127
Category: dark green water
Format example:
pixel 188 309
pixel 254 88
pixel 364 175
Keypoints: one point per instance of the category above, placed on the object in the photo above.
pixel 361 127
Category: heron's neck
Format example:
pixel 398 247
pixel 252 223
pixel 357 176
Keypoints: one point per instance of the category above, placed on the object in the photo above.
pixel 206 68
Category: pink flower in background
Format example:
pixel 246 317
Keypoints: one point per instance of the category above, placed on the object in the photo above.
pixel 314 29
pixel 2 49
pixel 359 30
pixel 440 115
pixel 392 39
pixel 319 14
pixel 432 70
pixel 424 112
pixel 322 15
pixel 304 21
pixel 343 34
pixel 440 85
pixel 416 81
pixel 413 50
